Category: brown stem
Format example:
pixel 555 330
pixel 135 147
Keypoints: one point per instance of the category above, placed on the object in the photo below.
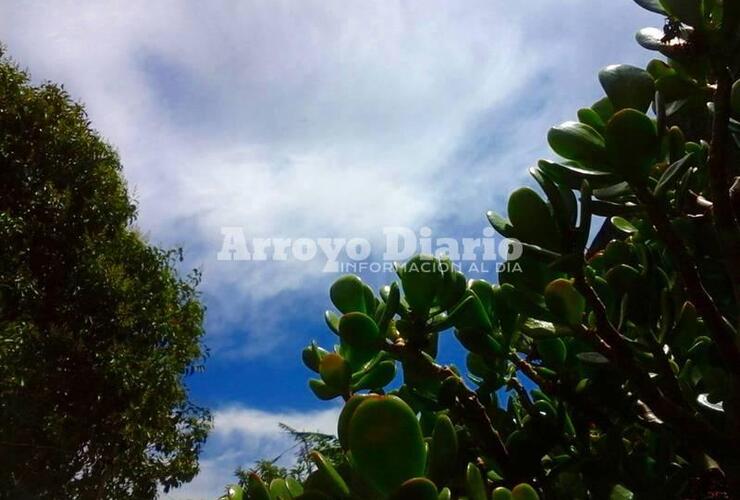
pixel 720 177
pixel 470 407
pixel 721 330
pixel 695 429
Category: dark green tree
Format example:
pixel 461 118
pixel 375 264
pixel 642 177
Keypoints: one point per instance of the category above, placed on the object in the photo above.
pixel 605 362
pixel 97 331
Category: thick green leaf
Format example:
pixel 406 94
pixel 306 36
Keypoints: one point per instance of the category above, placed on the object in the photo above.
pixel 553 352
pixel 418 488
pixel 335 371
pixel 632 142
pixel 532 220
pixel 474 484
pixel 330 475
pixel 501 493
pixel 323 391
pixel 628 86
pixel 736 99
pixel 577 141
pixel 257 489
pixel 442 450
pixel 348 295
pixel 564 301
pixel 421 277
pixel 687 11
pixel 591 118
pixel 386 442
pixel 524 491
pixel 500 224
pixel 623 225
pixel 377 377
pixel 279 490
pixel 651 5
pixel 571 174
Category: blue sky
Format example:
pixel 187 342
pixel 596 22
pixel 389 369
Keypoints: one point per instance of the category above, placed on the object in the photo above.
pixel 314 118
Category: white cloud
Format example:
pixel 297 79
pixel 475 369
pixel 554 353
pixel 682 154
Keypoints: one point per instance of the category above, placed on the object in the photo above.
pixel 320 117
pixel 242 435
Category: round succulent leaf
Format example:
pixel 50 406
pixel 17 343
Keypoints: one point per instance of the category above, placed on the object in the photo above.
pixel 623 225
pixel 345 417
pixel 735 99
pixel 323 391
pixel 650 38
pixel 474 484
pixel 330 476
pixel 619 492
pixel 294 487
pixel 484 291
pixel 604 108
pixel 572 174
pixel 386 442
pixel 470 314
pixel 632 143
pixel 591 118
pixel 442 449
pixel 421 277
pixel 418 488
pixel 256 488
pixel 687 11
pixel 358 329
pixel 577 141
pixel 651 5
pixel 377 377
pixel 500 224
pixel 335 371
pixel 279 489
pixel 623 277
pixel 628 86
pixel 524 491
pixel 532 220
pixel 234 492
pixel 445 494
pixel 564 301
pixel 312 355
pixel 553 352
pixel 501 493
pixel 348 294
pixel 453 286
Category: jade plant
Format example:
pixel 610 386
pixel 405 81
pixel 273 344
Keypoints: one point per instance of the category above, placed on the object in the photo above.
pixel 606 364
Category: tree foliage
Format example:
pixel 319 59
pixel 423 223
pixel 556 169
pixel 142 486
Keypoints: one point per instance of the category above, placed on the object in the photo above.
pixel 96 328
pixel 606 364
pixel 305 443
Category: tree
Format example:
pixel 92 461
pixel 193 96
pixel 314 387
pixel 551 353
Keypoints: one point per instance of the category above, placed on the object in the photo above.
pixel 96 328
pixel 602 365
pixel 306 443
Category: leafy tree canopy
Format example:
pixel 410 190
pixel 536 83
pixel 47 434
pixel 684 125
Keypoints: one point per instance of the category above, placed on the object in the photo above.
pixel 96 328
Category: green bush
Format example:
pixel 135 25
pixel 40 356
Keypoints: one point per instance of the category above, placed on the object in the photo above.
pixel 628 332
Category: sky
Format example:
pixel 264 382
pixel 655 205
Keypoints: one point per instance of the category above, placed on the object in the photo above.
pixel 312 119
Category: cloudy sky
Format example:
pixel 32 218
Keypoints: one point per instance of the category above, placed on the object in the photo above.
pixel 312 118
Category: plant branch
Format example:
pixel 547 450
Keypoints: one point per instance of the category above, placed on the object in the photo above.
pixel 721 330
pixel 469 406
pixel 619 352
pixel 725 224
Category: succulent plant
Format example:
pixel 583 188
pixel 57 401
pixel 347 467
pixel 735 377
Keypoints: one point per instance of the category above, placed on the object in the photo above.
pixel 609 366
